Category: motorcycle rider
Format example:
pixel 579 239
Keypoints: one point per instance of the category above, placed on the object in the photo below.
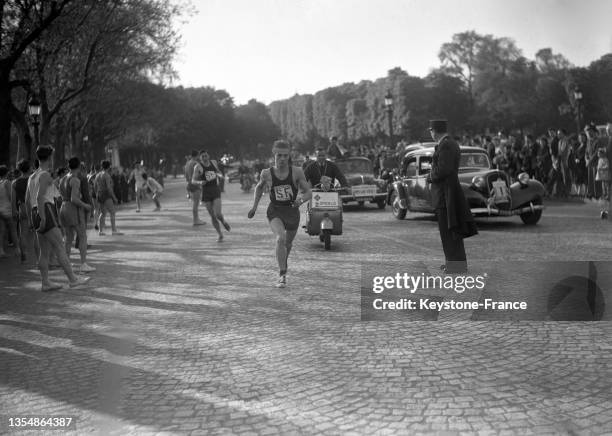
pixel 324 171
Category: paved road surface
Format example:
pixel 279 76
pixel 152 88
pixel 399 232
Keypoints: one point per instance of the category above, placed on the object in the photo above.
pixel 179 334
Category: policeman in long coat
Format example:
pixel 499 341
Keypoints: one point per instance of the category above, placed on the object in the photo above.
pixel 455 220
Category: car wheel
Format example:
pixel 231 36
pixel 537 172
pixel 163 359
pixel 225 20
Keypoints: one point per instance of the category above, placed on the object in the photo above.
pixel 396 210
pixel 531 218
pixel 381 203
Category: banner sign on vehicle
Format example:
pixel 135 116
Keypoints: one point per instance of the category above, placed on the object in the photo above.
pixel 325 200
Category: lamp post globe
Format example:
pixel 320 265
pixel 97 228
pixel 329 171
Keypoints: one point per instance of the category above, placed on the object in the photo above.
pixel 578 99
pixel 389 108
pixel 34 109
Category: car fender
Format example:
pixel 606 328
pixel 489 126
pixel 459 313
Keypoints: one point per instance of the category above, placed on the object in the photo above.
pixel 401 191
pixel 472 196
pixel 523 194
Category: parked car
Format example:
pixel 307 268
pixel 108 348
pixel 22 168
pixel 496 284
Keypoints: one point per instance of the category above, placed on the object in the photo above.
pixel 408 149
pixel 489 191
pixel 363 186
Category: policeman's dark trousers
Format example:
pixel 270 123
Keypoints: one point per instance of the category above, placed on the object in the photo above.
pixel 454 250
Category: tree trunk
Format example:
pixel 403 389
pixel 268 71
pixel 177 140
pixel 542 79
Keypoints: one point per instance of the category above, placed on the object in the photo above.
pixel 5 121
pixel 60 141
pixel 23 136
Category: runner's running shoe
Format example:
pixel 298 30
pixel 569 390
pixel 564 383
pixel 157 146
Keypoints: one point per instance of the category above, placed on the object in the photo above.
pixel 80 281
pixel 86 268
pixel 282 281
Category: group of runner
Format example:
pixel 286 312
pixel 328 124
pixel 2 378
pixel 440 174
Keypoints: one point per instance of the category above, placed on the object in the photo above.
pixel 288 186
pixel 59 210
pixel 40 209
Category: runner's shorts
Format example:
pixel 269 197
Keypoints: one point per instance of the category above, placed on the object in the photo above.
pixel 71 215
pixel 193 187
pixel 289 215
pixel 210 193
pixel 108 205
pixel 51 219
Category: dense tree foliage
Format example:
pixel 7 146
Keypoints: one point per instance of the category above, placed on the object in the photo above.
pixel 100 68
pixel 66 52
pixel 484 83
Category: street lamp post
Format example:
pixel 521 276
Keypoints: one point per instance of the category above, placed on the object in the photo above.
pixel 84 147
pixel 34 111
pixel 389 109
pixel 578 100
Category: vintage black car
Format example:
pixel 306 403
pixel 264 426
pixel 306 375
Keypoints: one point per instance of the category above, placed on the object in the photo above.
pixel 363 186
pixel 488 191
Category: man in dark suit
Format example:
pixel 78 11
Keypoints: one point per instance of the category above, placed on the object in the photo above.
pixel 324 171
pixel 455 220
pixel 334 150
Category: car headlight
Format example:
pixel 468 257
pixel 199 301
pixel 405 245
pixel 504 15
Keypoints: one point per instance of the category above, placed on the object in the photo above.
pixel 479 182
pixel 523 178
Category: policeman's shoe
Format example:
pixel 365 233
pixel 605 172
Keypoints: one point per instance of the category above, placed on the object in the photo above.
pixel 456 270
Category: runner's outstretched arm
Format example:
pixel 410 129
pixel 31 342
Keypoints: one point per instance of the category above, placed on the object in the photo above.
pixel 259 189
pixel 303 185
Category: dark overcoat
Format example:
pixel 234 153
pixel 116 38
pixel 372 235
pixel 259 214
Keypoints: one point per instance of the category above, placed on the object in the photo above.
pixel 446 191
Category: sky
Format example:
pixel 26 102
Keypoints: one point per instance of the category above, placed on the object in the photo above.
pixel 273 49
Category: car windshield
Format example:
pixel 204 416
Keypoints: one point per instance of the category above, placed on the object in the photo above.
pixel 350 166
pixel 474 160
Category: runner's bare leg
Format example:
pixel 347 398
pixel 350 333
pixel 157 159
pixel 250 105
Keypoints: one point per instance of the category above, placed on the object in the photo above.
pixel 213 216
pixel 278 228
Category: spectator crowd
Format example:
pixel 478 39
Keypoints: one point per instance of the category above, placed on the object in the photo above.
pixel 566 164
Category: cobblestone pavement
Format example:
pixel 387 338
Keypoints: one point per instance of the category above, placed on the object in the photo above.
pixel 179 334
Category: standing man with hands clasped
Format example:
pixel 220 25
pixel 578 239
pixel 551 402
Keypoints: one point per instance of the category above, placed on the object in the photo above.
pixel 283 212
pixel 455 219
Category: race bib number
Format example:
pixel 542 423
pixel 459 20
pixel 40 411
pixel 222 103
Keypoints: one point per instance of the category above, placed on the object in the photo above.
pixel 283 193
pixel 210 175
